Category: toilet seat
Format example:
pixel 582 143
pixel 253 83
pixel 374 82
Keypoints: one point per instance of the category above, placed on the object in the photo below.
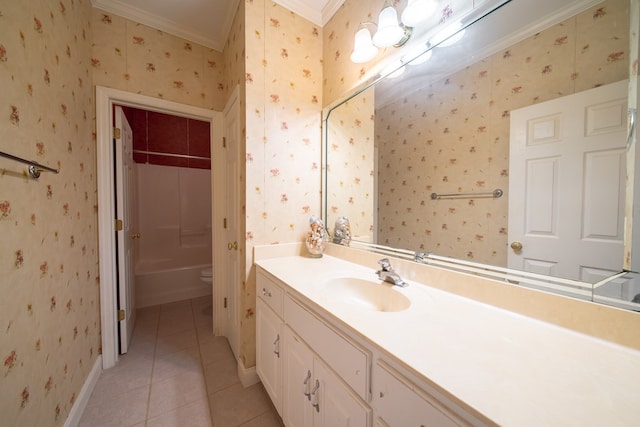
pixel 206 274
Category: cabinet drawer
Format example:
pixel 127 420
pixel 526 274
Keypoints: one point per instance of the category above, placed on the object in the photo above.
pixel 345 358
pixel 399 402
pixel 270 292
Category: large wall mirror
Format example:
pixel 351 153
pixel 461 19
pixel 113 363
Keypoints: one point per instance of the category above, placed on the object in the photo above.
pixel 507 148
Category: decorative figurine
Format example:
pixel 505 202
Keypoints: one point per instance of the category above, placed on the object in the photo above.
pixel 315 237
pixel 342 232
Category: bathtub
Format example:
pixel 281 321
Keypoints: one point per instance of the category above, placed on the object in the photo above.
pixel 164 281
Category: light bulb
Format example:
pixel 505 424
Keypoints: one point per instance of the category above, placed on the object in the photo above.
pixel 389 32
pixel 418 11
pixel 363 48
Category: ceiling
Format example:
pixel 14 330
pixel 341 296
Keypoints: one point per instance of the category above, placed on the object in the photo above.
pixel 206 22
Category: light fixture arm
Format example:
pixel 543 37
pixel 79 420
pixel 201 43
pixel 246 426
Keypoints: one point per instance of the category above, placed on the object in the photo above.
pixel 407 35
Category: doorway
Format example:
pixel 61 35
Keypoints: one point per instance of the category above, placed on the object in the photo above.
pixel 106 99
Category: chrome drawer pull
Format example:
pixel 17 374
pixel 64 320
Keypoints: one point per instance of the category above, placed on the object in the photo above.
pixel 276 346
pixel 306 385
pixel 315 403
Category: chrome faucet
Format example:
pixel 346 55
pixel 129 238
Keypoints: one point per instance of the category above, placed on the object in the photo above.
pixel 421 257
pixel 387 274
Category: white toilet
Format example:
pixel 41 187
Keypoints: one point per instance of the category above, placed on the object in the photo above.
pixel 206 275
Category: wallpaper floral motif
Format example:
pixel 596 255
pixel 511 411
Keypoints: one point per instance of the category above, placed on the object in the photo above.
pixel 465 129
pixel 464 133
pixel 340 75
pixel 51 55
pixel 351 134
pixel 283 111
pixel 139 59
pixel 49 309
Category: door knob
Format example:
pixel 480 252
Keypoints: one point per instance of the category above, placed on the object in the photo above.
pixel 135 235
pixel 516 246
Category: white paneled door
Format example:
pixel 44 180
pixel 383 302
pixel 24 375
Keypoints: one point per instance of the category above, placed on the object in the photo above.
pixel 125 228
pixel 232 265
pixel 566 184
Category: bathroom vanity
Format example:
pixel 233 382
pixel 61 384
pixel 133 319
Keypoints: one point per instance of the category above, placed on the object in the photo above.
pixel 337 347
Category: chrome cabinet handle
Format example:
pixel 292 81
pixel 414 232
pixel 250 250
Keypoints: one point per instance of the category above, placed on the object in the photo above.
pixel 266 293
pixel 276 346
pixel 306 385
pixel 314 393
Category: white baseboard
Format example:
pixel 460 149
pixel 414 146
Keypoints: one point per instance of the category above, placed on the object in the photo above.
pixel 85 393
pixel 248 376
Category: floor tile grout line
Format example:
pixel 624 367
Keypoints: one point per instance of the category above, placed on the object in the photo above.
pixel 153 363
pixel 206 388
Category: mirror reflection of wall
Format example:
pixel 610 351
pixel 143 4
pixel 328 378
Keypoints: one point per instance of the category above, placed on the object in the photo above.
pixel 458 141
pixel 452 135
pixel 351 172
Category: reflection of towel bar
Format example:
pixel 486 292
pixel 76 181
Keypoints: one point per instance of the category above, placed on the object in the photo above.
pixel 495 194
pixel 34 167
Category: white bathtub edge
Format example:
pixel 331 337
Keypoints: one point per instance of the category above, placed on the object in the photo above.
pixel 167 286
pixel 147 300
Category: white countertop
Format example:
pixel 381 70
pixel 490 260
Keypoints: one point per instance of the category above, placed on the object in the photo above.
pixel 515 370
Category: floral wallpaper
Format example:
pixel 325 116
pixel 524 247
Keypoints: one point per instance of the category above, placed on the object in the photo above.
pixel 352 182
pixel 51 55
pixel 463 150
pixel 49 309
pixel 283 83
pixel 276 58
pixel 340 75
pixel 139 59
pixel 351 132
pixel 464 133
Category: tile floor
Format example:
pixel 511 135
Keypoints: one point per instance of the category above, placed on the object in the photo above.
pixel 177 373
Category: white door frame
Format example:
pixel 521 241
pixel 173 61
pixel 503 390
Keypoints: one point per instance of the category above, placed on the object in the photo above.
pixel 106 98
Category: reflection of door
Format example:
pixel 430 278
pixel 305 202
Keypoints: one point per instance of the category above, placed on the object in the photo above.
pixel 232 216
pixel 566 184
pixel 125 186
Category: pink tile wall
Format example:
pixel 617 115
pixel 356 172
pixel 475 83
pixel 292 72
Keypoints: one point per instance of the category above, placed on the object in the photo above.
pixel 162 133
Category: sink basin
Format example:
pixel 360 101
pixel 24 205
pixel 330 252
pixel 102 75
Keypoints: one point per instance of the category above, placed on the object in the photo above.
pixel 366 294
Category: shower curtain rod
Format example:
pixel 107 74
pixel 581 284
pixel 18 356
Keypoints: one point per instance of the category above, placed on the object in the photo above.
pixel 34 167
pixel 495 194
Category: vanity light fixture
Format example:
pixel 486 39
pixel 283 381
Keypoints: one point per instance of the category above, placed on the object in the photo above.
pixel 418 11
pixel 363 48
pixel 390 32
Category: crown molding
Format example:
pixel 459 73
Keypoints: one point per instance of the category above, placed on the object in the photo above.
pixel 330 9
pixel 120 8
pixel 304 9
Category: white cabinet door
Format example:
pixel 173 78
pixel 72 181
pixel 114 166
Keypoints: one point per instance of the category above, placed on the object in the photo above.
pixel 401 403
pixel 268 352
pixel 313 395
pixel 298 380
pixel 334 404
